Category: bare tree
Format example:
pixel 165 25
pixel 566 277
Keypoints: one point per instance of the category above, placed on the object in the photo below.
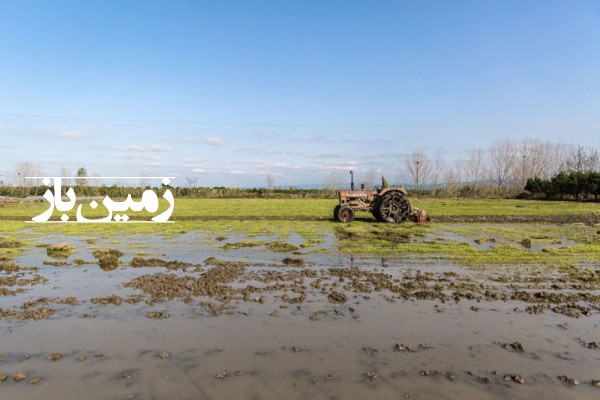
pixel 533 160
pixel 270 181
pixel 474 167
pixel 437 171
pixel 580 159
pixel 369 179
pixel 452 180
pixel 143 182
pixel 24 170
pixel 418 169
pixel 191 182
pixel 65 173
pixel 502 161
pixel 334 180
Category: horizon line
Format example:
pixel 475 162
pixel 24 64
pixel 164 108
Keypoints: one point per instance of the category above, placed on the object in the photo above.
pixel 100 177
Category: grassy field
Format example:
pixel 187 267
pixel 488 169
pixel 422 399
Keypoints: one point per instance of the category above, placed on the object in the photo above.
pixel 315 208
pixel 509 243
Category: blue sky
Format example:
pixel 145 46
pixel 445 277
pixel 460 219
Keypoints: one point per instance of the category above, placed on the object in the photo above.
pixel 232 91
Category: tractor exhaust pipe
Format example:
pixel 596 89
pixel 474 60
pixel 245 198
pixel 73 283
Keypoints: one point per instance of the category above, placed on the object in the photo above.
pixel 351 180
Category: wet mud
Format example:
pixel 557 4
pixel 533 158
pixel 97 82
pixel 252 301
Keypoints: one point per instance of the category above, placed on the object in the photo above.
pixel 192 321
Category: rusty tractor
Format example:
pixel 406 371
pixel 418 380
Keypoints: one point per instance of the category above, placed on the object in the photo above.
pixel 387 204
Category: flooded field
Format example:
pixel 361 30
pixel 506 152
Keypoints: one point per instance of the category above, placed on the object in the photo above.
pixel 301 309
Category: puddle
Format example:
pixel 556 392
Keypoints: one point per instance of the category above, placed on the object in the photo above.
pixel 248 325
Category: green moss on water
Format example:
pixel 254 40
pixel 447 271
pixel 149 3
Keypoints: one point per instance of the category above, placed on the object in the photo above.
pixel 281 247
pixel 243 244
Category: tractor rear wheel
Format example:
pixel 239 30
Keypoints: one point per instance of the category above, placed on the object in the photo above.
pixel 394 207
pixel 335 212
pixel 345 214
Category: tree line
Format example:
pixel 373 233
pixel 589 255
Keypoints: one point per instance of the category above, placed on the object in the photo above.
pixel 504 169
pixel 576 185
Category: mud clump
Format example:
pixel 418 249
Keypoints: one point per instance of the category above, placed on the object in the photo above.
pixel 216 262
pixel 573 310
pixel 537 309
pixel 9 243
pixel 55 263
pixel 19 377
pixel 35 380
pixel 516 346
pixel 212 283
pixel 157 315
pixel 108 259
pixel 36 314
pixel 8 267
pixel 526 243
pixel 293 262
pixel 139 262
pixel 589 345
pixel 125 375
pixel 372 376
pixel 515 378
pixel 242 244
pixel 568 380
pixel 54 356
pixel 402 348
pixel 72 300
pixel 337 297
pixel 60 250
pixel 34 303
pixel 3 378
pixel 79 261
pixel 222 375
pixel 113 299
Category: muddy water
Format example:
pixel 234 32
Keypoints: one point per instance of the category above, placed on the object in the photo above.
pixel 398 334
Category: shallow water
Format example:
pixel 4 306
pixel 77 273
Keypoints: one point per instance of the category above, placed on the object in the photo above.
pixel 275 349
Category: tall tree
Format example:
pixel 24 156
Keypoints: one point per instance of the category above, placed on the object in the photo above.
pixel 418 169
pixel 474 167
pixel 502 159
pixel 27 169
pixel 82 177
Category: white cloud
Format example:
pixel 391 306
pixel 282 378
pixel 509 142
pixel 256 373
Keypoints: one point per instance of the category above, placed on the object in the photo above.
pixel 71 135
pixel 200 170
pixel 159 147
pixel 214 141
pixel 268 135
pixel 254 150
pixel 154 147
pixel 183 139
pixel 143 156
pixel 1 126
pixel 315 138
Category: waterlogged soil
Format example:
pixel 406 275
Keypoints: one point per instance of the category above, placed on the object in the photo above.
pixel 200 316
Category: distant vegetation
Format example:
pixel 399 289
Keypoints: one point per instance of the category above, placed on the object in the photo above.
pixel 506 169
pixel 572 185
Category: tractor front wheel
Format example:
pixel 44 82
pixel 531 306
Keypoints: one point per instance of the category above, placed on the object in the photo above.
pixel 335 212
pixel 345 214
